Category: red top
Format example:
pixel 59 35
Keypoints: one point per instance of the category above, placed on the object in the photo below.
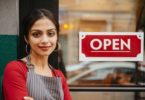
pixel 14 82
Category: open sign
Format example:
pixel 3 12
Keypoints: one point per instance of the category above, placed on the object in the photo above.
pixel 111 46
pixel 116 44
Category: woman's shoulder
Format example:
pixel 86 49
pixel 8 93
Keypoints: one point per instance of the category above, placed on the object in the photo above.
pixel 14 62
pixel 58 73
pixel 15 73
pixel 16 65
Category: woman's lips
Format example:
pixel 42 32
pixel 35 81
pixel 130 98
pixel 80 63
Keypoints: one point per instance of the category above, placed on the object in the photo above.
pixel 44 48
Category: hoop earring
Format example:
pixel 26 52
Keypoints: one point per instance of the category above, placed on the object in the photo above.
pixel 26 49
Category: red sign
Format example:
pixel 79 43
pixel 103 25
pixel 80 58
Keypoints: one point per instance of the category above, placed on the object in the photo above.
pixel 111 46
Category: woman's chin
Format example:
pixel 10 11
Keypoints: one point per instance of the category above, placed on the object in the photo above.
pixel 43 54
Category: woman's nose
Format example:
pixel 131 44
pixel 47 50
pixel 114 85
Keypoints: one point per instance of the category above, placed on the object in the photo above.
pixel 45 39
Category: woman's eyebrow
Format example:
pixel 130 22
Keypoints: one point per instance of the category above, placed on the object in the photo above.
pixel 35 30
pixel 52 29
pixel 40 30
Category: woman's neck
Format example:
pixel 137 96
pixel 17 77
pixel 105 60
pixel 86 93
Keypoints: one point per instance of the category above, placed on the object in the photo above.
pixel 39 61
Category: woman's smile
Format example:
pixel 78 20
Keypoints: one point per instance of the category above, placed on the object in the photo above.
pixel 44 48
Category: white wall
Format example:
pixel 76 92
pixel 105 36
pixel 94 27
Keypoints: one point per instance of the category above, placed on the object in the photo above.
pixel 9 20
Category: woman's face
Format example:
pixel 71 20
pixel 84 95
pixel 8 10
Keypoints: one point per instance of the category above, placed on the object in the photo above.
pixel 42 37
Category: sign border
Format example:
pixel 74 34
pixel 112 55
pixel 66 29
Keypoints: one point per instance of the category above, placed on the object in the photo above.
pixel 138 58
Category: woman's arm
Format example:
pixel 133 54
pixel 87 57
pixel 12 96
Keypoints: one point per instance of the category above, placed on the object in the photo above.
pixel 14 81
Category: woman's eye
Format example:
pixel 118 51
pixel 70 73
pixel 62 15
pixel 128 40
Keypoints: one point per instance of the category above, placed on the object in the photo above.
pixel 51 34
pixel 36 34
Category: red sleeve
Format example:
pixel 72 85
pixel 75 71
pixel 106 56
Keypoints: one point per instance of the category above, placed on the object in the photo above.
pixel 66 92
pixel 14 82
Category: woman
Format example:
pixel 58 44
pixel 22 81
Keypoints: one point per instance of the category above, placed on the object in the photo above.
pixel 33 78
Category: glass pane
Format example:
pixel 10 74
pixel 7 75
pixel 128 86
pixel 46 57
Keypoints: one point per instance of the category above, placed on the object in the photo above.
pixel 75 16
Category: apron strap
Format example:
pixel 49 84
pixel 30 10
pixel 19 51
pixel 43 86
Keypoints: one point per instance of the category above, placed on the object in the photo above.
pixel 28 63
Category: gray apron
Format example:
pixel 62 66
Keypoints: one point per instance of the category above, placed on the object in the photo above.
pixel 43 87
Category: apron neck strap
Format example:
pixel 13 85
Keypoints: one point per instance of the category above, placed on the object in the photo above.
pixel 28 63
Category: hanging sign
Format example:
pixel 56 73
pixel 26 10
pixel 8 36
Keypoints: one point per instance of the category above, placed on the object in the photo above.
pixel 111 46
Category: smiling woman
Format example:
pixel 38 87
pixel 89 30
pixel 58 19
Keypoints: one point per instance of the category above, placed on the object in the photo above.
pixel 33 77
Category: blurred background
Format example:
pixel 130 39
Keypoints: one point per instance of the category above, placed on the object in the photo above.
pixel 100 16
pixel 93 16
